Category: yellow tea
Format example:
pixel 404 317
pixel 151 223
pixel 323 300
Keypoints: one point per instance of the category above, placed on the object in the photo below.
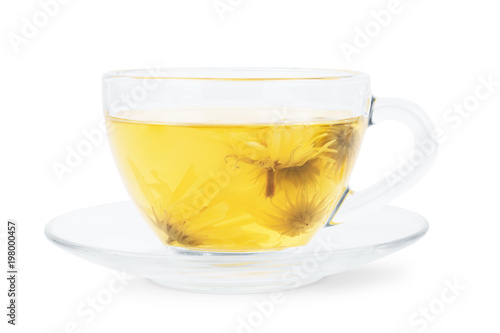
pixel 230 186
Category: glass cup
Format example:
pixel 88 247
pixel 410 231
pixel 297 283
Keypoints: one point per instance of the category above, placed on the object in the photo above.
pixel 249 159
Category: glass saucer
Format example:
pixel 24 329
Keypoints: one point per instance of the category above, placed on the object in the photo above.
pixel 114 235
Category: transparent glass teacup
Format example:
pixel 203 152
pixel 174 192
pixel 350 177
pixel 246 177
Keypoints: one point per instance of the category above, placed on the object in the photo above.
pixel 248 159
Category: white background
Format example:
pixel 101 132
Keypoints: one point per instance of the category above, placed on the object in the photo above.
pixel 431 52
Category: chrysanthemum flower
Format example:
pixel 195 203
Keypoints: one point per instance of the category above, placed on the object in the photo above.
pixel 297 215
pixel 173 213
pixel 180 220
pixel 188 231
pixel 346 138
pixel 282 151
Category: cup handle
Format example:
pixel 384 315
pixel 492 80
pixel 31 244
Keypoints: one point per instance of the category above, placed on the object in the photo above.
pixel 354 204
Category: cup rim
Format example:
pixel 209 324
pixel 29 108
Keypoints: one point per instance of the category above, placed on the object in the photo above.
pixel 236 74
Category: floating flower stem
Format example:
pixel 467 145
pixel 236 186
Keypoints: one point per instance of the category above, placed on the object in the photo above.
pixel 271 183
